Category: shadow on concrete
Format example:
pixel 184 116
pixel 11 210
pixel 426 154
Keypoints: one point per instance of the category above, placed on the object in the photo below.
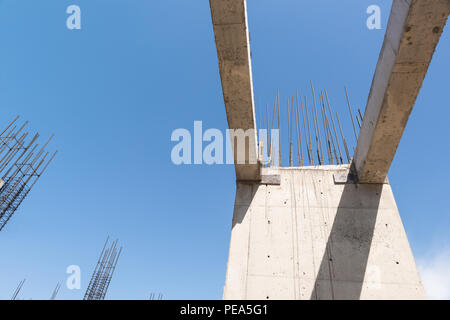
pixel 344 263
pixel 245 192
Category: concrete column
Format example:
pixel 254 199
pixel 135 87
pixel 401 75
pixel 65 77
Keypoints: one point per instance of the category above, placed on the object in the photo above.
pixel 413 31
pixel 314 237
pixel 229 19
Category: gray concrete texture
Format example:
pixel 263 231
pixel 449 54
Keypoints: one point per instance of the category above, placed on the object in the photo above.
pixel 414 30
pixel 313 238
pixel 229 19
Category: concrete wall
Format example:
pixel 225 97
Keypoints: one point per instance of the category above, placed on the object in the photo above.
pixel 312 238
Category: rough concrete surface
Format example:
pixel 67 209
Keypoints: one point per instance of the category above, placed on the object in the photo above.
pixel 312 238
pixel 414 30
pixel 229 19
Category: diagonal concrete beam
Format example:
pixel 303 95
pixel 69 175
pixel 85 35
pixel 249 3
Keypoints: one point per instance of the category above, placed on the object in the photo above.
pixel 229 18
pixel 413 31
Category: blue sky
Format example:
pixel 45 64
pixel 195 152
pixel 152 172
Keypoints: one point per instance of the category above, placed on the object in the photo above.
pixel 114 91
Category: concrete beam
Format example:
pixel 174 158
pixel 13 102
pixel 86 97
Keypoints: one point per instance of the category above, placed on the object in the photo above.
pixel 229 18
pixel 414 30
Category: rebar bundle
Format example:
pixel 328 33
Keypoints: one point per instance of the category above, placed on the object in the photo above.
pixel 19 287
pixel 317 131
pixel 104 270
pixel 21 166
pixel 153 296
pixel 55 291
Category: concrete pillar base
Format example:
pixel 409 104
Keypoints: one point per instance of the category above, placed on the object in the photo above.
pixel 312 237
